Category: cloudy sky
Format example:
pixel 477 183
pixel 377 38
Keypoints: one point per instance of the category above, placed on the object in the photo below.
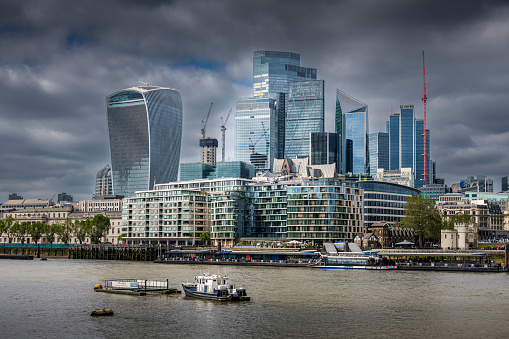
pixel 59 60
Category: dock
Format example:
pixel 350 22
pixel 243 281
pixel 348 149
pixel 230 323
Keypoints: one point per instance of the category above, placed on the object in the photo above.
pixel 17 256
pixel 137 287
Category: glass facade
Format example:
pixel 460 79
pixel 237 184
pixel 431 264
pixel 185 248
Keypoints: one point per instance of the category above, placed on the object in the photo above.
pixel 324 148
pixel 145 130
pixel 378 152
pixel 103 184
pixel 406 144
pixel 407 136
pixel 324 210
pixel 305 115
pixel 393 142
pixel 355 128
pixel 256 131
pixel 384 202
pixel 273 72
pixel 227 169
pixel 419 154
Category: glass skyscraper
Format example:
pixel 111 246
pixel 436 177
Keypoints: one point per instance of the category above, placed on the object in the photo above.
pixel 145 131
pixel 353 125
pixel 256 134
pixel 323 148
pixel 305 115
pixel 378 152
pixel 273 72
pixel 406 144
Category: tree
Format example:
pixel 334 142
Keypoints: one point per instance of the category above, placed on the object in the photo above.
pixel 9 221
pixel 80 230
pixel 16 231
pixel 205 237
pixel 36 230
pixel 51 230
pixel 458 218
pixel 24 228
pixel 65 231
pixel 100 226
pixel 423 216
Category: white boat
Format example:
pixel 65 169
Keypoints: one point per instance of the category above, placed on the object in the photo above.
pixel 354 262
pixel 214 287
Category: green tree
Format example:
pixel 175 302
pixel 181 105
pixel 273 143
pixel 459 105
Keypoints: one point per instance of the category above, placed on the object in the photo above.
pixel 80 230
pixel 51 231
pixel 423 216
pixel 7 225
pixel 100 226
pixel 205 237
pixel 65 231
pixel 36 231
pixel 23 232
pixel 15 231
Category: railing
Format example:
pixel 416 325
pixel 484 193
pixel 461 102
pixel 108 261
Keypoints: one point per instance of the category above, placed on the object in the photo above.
pixel 136 284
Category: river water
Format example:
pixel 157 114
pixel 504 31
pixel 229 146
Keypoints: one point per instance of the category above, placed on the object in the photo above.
pixel 54 298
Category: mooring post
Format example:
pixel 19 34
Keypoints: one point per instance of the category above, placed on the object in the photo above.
pixel 506 256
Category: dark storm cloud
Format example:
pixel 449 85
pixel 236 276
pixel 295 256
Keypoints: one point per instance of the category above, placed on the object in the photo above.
pixel 60 59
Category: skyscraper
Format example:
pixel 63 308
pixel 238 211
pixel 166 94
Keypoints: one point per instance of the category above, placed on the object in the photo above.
pixel 378 152
pixel 305 115
pixel 208 150
pixel 406 143
pixel 145 129
pixel 323 148
pixel 273 72
pixel 353 125
pixel 103 182
pixel 256 139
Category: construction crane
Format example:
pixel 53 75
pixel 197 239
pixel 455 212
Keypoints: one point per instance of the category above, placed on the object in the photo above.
pixel 204 121
pixel 267 143
pixel 425 155
pixel 223 130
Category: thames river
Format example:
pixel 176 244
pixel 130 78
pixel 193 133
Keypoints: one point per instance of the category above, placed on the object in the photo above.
pixel 54 298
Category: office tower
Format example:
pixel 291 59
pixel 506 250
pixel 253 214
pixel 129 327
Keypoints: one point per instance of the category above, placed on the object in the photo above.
pixel 64 197
pixel 305 114
pixel 273 72
pixel 419 158
pixel 15 196
pixel 103 182
pixel 256 131
pixel 348 158
pixel 353 125
pixel 378 152
pixel 505 187
pixel 393 131
pixel 323 148
pixel 406 144
pixel 145 129
pixel 208 150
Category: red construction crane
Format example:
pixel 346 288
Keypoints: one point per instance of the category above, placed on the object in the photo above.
pixel 425 155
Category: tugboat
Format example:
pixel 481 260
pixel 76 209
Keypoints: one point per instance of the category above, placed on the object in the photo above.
pixel 214 287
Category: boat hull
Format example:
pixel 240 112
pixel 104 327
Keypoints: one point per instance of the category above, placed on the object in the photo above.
pixel 357 267
pixel 190 292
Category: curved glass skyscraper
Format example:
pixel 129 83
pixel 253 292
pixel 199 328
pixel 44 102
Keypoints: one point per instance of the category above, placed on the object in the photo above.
pixel 145 128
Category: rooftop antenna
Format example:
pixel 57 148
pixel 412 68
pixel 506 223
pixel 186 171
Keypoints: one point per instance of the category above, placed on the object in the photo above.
pixel 145 83
pixel 425 155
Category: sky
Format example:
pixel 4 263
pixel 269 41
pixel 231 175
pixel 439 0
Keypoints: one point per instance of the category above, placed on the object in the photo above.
pixel 60 59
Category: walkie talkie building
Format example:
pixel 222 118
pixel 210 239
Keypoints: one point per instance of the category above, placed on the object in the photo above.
pixel 145 129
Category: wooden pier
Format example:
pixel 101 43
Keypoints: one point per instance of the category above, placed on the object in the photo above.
pixel 99 252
